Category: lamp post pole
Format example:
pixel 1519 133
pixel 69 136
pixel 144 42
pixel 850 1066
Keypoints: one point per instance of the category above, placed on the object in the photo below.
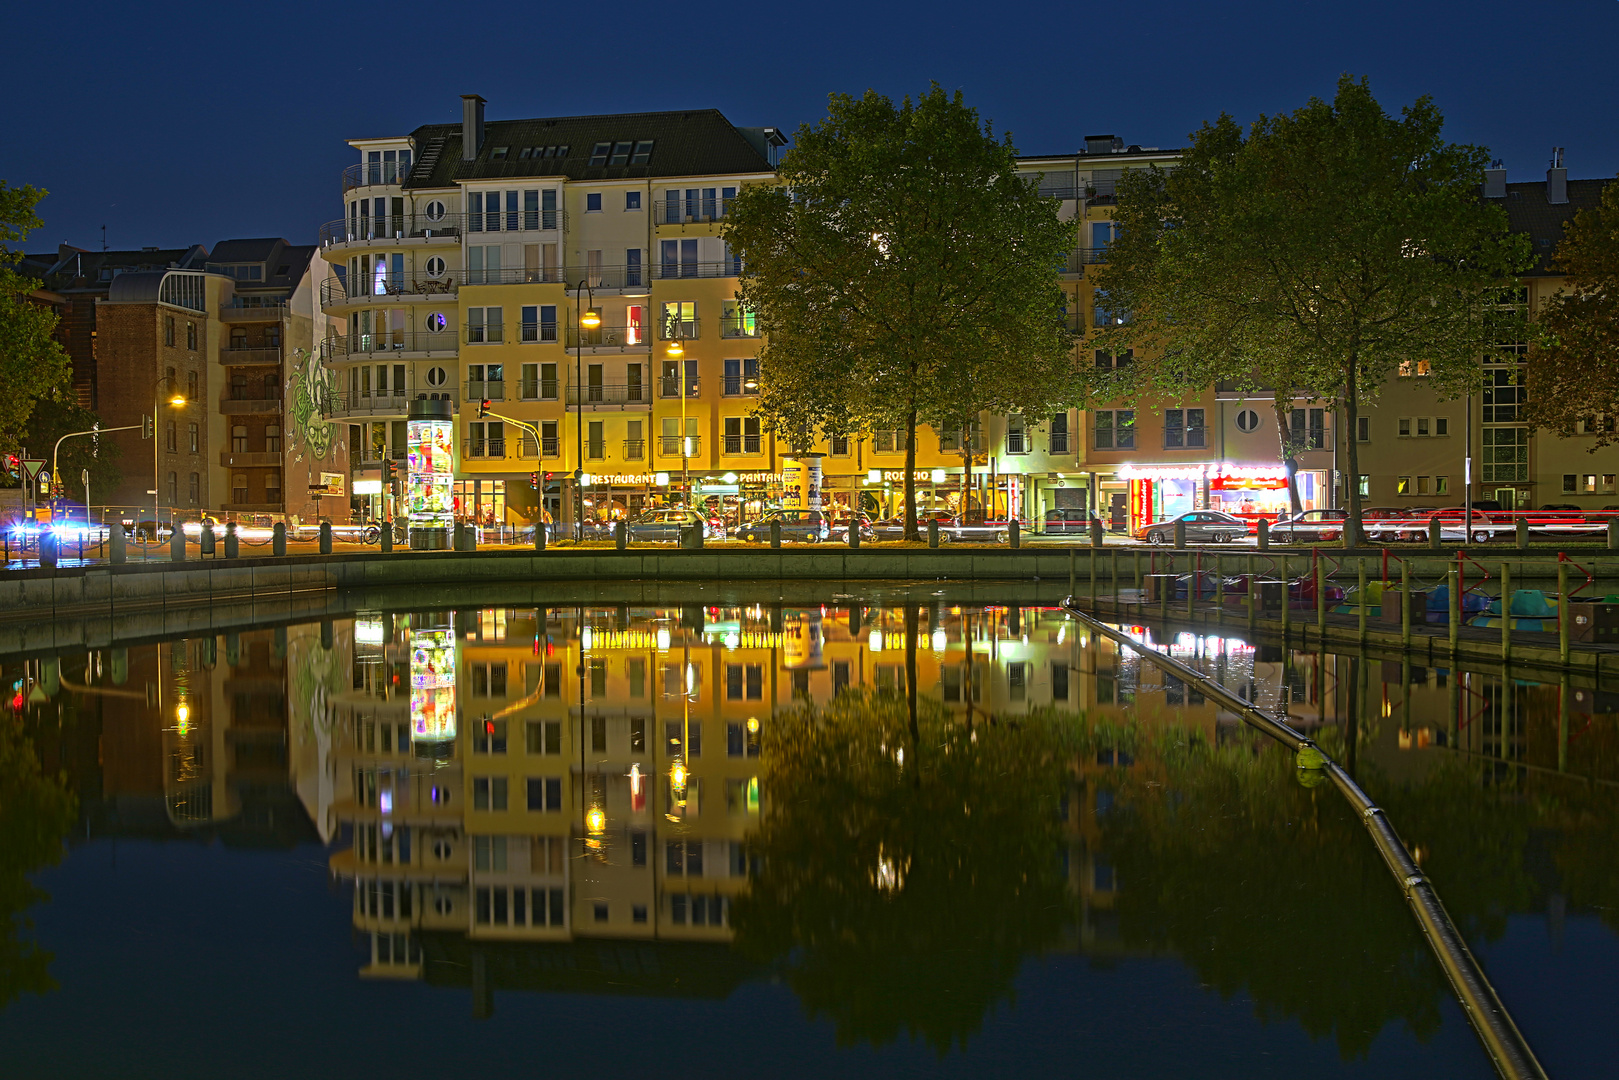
pixel 157 468
pixel 583 318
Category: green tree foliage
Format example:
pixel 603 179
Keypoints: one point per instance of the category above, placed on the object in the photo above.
pixel 32 363
pixel 903 273
pixel 57 414
pixel 1573 373
pixel 905 876
pixel 1310 257
pixel 35 813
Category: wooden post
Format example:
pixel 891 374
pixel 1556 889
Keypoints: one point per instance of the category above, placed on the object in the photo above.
pixel 1073 570
pixel 1506 613
pixel 1320 596
pixel 1360 595
pixel 1287 601
pixel 1452 584
pixel 1091 557
pixel 1405 605
pixel 1562 610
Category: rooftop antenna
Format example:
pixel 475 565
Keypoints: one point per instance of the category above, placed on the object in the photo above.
pixel 103 238
pixel 1557 157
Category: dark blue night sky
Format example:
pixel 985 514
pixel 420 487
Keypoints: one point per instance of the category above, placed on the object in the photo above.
pixel 188 123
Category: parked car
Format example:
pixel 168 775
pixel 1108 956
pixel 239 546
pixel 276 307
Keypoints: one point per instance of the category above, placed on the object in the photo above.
pixel 894 528
pixel 1451 525
pixel 656 526
pixel 1309 526
pixel 805 526
pixel 1202 526
pixel 1061 521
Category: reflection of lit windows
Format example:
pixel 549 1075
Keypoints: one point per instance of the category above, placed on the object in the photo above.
pixel 490 737
pixel 1017 680
pixel 544 737
pixel 488 680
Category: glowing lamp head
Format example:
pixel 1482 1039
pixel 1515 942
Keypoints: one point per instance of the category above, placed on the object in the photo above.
pixel 591 318
pixel 177 401
pixel 182 717
pixel 753 725
pixel 677 776
pixel 596 819
pixel 675 349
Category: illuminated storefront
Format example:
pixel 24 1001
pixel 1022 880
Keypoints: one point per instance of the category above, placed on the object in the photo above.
pixel 430 477
pixel 1153 493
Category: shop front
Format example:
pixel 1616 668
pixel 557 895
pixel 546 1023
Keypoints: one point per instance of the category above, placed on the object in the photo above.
pixel 1141 495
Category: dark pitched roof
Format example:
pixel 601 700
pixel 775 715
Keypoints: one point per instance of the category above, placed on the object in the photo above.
pixel 1528 212
pixel 697 143
pixel 256 250
pixel 273 252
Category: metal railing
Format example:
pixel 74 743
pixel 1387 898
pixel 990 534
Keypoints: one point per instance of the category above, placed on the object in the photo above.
pixel 256 308
pixel 739 326
pixel 1076 261
pixel 486 390
pixel 690 211
pixel 610 394
pixel 373 173
pixel 742 444
pixel 252 392
pixel 740 385
pixel 419 225
pixel 609 337
pixel 670 445
pixel 680 329
pixel 634 449
pixel 595 449
pixel 1019 442
pixel 483 448
pixel 395 403
pixel 537 389
pixel 607 277
pixel 666 270
pixel 341 346
pixel 670 387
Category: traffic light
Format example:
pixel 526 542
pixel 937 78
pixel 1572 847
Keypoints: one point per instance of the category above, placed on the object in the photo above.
pixel 534 480
pixel 146 427
pixel 483 408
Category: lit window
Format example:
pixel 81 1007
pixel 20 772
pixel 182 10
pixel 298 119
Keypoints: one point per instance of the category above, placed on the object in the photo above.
pixel 1403 485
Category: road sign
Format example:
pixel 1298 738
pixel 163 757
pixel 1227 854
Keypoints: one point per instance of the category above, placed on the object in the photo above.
pixel 32 466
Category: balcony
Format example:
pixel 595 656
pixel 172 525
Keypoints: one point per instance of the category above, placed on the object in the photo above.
pixel 537 390
pixel 633 279
pixel 485 449
pixel 395 404
pixel 486 390
pixel 671 270
pixel 419 227
pixel 739 326
pixel 1079 259
pixel 629 338
pixel 373 174
pixel 740 385
pixel 634 396
pixel 253 309
pixel 247 459
pixel 250 357
pixel 670 446
pixel 398 343
pixel 1059 442
pixel 595 449
pixel 1019 442
pixel 634 449
pixel 333 293
pixel 690 211
pixel 670 387
pixel 251 401
pixel 742 444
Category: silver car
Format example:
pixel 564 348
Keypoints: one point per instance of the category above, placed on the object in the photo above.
pixel 1202 527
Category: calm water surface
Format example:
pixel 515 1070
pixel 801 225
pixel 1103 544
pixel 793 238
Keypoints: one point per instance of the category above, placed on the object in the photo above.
pixel 896 834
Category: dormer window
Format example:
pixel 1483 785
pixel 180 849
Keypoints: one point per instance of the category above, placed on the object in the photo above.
pixel 643 152
pixel 621 154
pixel 498 153
pixel 598 156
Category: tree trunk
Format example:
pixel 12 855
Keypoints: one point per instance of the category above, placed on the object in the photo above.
pixel 1285 440
pixel 910 476
pixel 1352 533
pixel 913 614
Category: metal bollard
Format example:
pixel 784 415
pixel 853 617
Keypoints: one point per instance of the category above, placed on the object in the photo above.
pixel 233 543
pixel 1613 533
pixel 1521 528
pixel 205 539
pixel 1096 534
pixel 1454 614
pixel 1180 534
pixel 1506 612
pixel 621 535
pixel 775 532
pixel 385 536
pixel 1434 533
pixel 1262 535
pixel 177 542
pixel 539 535
pixel 854 533
pixel 933 534
pixel 117 544
pixel 49 549
pixel 1562 611
pixel 326 538
pixel 278 538
pixel 1014 532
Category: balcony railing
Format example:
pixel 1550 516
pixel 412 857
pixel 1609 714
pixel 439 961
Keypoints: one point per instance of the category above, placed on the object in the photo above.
pixel 342 347
pixel 537 389
pixel 739 326
pixel 1077 260
pixel 607 277
pixel 1059 443
pixel 253 308
pixel 383 403
pixel 486 389
pixel 680 329
pixel 666 270
pixel 595 449
pixel 254 356
pixel 333 291
pixel 670 387
pixel 740 385
pixel 1018 442
pixel 610 337
pixel 484 448
pixel 690 211
pixel 742 444
pixel 610 394
pixel 419 225
pixel 253 393
pixel 634 449
pixel 671 446
pixel 372 173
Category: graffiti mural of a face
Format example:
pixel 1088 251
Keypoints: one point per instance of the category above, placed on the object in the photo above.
pixel 310 388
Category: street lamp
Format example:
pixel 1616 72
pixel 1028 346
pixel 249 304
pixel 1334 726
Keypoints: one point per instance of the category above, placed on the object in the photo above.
pixel 586 318
pixel 675 350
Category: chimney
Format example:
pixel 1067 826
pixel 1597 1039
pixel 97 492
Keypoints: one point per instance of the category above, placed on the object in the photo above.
pixel 1557 179
pixel 1495 180
pixel 1103 144
pixel 471 126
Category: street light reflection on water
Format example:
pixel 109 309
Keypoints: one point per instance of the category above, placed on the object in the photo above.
pixel 912 813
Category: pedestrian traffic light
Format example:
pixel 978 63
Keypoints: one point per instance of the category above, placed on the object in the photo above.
pixel 483 408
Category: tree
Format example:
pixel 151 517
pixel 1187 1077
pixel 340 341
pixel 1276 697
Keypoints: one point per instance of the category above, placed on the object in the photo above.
pixel 32 363
pixel 1313 257
pixel 902 274
pixel 57 413
pixel 35 812
pixel 907 864
pixel 1572 369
